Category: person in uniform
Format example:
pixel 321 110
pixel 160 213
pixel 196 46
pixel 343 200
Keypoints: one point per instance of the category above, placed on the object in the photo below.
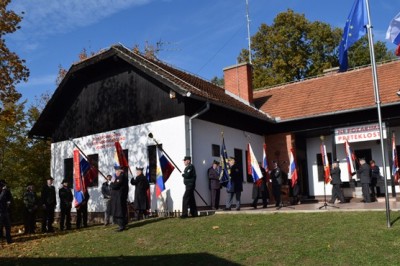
pixel 189 179
pixel 364 174
pixel 235 185
pixel 336 182
pixel 106 191
pixel 276 177
pixel 141 186
pixel 118 198
pixel 30 208
pixel 214 184
pixel 5 211
pixel 49 202
pixel 66 197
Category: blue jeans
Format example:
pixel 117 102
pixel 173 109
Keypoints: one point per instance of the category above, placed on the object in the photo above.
pixel 230 199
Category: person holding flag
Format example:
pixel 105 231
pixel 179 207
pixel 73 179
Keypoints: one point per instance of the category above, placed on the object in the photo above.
pixel 235 185
pixel 336 182
pixel 119 188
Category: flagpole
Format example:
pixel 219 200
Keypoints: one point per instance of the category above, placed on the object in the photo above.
pixel 378 107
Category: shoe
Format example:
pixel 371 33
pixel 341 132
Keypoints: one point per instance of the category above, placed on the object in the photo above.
pixel 120 230
pixel 10 242
pixel 227 209
pixel 184 216
pixel 238 209
pixel 265 206
pixel 331 202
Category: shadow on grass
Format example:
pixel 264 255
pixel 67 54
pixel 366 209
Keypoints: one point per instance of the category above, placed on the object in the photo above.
pixel 178 259
pixel 395 221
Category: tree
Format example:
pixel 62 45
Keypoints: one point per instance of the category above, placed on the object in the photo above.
pixel 12 68
pixel 293 48
pixel 218 81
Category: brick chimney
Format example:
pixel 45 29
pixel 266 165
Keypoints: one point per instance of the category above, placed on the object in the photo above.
pixel 238 80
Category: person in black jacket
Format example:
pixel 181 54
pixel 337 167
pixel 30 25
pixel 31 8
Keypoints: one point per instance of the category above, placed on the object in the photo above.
pixel 214 184
pixel 82 211
pixel 336 182
pixel 364 174
pixel 119 188
pixel 235 185
pixel 66 197
pixel 5 211
pixel 49 201
pixel 189 179
pixel 30 208
pixel 375 176
pixel 276 177
pixel 106 191
pixel 141 186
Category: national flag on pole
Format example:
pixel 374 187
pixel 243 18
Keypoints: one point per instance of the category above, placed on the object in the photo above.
pixel 353 30
pixel 325 163
pixel 395 165
pixel 84 173
pixel 166 166
pixel 253 168
pixel 350 157
pixel 148 189
pixel 265 159
pixel 292 168
pixel 119 156
pixel 160 186
pixel 393 33
pixel 224 175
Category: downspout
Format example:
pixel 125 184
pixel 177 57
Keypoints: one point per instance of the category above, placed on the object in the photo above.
pixel 207 107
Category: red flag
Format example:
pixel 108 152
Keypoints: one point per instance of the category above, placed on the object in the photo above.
pixel 122 161
pixel 325 163
pixel 292 168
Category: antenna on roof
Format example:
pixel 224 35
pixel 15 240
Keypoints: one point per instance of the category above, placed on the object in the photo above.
pixel 248 29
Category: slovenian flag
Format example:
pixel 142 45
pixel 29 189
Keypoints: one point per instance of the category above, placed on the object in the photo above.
pixel 350 157
pixel 395 165
pixel 253 166
pixel 292 168
pixel 166 166
pixel 160 186
pixel 325 163
pixel 81 165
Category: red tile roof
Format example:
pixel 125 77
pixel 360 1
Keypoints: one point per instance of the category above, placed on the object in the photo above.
pixel 334 92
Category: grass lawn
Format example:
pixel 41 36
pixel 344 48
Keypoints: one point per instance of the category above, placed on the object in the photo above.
pixel 325 238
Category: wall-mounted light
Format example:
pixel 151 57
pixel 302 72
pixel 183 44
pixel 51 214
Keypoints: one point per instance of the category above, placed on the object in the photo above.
pixel 398 93
pixel 172 94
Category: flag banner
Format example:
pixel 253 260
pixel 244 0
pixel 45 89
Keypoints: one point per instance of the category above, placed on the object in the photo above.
pixel 353 30
pixel 224 175
pixel 160 186
pixel 292 168
pixel 325 163
pixel 350 157
pixel 166 166
pixel 148 189
pixel 79 185
pixel 253 166
pixel 395 166
pixel 265 162
pixel 119 156
pixel 393 32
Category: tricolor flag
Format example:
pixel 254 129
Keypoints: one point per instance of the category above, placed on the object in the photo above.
pixel 265 160
pixel 353 30
pixel 393 32
pixel 166 166
pixel 395 165
pixel 350 157
pixel 325 163
pixel 84 173
pixel 224 176
pixel 253 168
pixel 119 156
pixel 160 186
pixel 292 168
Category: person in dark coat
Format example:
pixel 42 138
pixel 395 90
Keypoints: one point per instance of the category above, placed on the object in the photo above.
pixel 106 191
pixel 260 186
pixel 5 211
pixel 30 208
pixel 189 179
pixel 66 197
pixel 336 182
pixel 119 188
pixel 214 184
pixel 364 174
pixel 82 211
pixel 141 184
pixel 276 177
pixel 49 201
pixel 235 185
pixel 375 176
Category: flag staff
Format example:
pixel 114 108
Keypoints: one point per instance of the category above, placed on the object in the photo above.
pixel 378 107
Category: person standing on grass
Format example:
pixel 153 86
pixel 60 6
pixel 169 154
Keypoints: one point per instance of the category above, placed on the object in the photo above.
pixel 49 202
pixel 119 198
pixel 141 185
pixel 30 208
pixel 5 212
pixel 364 174
pixel 82 211
pixel 106 191
pixel 189 179
pixel 66 197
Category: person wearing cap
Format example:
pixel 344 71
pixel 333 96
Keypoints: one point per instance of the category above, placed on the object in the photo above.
pixel 276 177
pixel 336 182
pixel 119 195
pixel 141 184
pixel 66 197
pixel 49 202
pixel 364 174
pixel 5 221
pixel 30 207
pixel 106 191
pixel 214 184
pixel 189 179
pixel 235 185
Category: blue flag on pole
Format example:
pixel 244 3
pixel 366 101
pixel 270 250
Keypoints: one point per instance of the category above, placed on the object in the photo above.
pixel 353 30
pixel 224 176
